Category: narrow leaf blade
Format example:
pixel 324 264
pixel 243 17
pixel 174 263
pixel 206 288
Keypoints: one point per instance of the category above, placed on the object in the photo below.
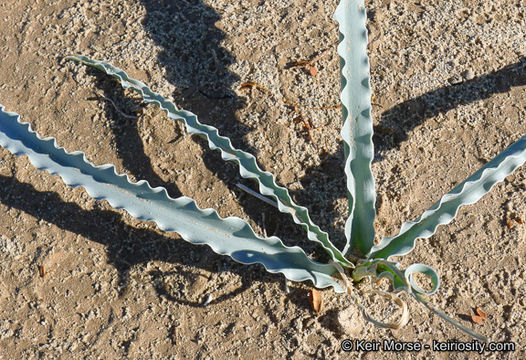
pixel 466 193
pixel 230 236
pixel 357 131
pixel 450 320
pixel 248 167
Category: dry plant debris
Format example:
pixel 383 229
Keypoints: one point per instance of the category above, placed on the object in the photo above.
pixel 480 318
pixel 316 300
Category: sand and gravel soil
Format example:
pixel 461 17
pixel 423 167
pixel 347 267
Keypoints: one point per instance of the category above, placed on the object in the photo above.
pixel 79 280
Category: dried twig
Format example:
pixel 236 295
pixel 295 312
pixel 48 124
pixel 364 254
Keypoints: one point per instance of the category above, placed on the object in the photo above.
pixel 259 196
pixel 308 64
pixel 100 97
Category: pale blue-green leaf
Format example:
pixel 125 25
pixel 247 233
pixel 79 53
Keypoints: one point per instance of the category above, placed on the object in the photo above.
pixel 357 130
pixel 248 167
pixel 422 269
pixel 442 212
pixel 231 236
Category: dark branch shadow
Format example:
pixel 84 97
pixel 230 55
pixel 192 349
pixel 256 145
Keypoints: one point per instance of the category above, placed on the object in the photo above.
pixel 395 123
pixel 197 65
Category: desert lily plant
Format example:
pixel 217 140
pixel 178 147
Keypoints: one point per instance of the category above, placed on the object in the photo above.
pixel 360 257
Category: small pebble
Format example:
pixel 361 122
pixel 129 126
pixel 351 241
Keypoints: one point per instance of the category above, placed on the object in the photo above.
pixel 468 74
pixel 454 80
pixel 208 299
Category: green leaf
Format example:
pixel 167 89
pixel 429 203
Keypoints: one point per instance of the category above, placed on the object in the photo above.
pixel 231 236
pixel 442 212
pixel 400 279
pixel 357 131
pixel 248 167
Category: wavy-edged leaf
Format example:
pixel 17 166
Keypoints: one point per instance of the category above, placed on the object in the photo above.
pixel 248 167
pixel 230 236
pixel 466 193
pixel 357 131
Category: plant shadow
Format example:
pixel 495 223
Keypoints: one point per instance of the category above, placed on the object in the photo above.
pixel 395 123
pixel 195 62
pixel 127 246
pixel 389 133
pixel 197 65
pixel 128 141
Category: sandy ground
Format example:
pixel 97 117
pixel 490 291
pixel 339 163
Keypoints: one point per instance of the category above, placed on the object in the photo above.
pixel 449 80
